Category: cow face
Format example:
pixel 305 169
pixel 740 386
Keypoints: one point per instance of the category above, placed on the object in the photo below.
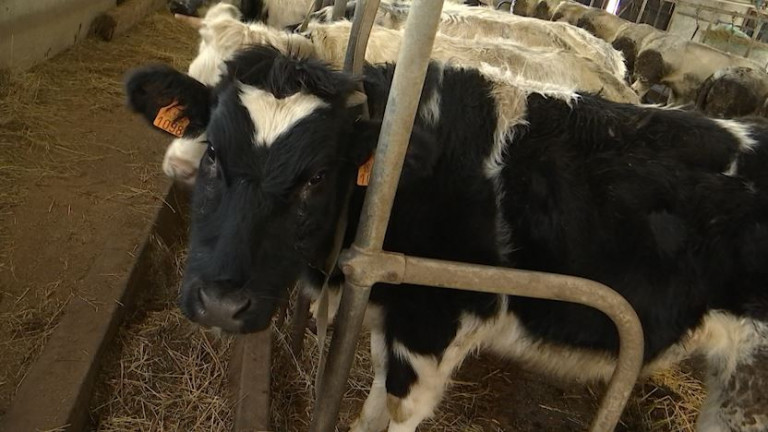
pixel 282 151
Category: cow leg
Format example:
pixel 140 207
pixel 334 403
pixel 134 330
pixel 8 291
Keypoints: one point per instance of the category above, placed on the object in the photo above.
pixel 410 404
pixel 374 416
pixel 738 387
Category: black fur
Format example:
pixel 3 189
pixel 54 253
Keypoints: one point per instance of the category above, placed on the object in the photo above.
pixel 645 213
pixel 628 48
pixel 254 10
pixel 629 196
pixel 650 67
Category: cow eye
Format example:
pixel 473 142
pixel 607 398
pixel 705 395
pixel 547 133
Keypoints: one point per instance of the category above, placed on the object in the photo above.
pixel 210 153
pixel 316 179
pixel 211 164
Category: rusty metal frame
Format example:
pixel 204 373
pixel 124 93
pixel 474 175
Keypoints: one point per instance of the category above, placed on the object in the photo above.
pixel 365 263
pixel 759 18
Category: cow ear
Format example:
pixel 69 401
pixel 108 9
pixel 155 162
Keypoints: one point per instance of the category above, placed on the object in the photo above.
pixel 169 99
pixel 363 140
pixel 420 160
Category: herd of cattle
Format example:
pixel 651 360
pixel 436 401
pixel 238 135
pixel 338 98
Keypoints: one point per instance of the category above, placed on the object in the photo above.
pixel 530 150
pixel 720 84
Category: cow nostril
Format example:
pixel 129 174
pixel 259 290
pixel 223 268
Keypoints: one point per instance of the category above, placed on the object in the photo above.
pixel 222 305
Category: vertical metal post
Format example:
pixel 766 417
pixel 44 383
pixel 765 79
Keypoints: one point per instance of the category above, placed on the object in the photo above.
pixel 755 33
pixel 400 113
pixel 658 12
pixel 339 7
pixel 672 18
pixel 365 15
pixel 731 32
pixel 642 10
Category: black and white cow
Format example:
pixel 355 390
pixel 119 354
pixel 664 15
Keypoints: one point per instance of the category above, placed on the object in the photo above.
pixel 658 204
pixel 274 13
pixel 733 92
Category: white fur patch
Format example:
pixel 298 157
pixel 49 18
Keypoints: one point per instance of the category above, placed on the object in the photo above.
pixel 741 132
pixel 282 13
pixel 747 144
pixel 272 116
pixel 430 109
pixel 182 158
pixel 433 378
pixel 374 417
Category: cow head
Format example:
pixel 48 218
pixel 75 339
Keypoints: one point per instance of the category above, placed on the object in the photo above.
pixel 283 149
pixel 650 70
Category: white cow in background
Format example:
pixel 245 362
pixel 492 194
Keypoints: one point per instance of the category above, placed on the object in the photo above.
pixel 223 33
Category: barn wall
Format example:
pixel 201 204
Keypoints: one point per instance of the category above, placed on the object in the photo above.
pixel 34 30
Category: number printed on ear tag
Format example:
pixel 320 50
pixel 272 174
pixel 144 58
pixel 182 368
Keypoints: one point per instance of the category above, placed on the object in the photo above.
pixel 169 119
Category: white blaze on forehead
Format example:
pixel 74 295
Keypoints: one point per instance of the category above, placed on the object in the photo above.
pixel 272 116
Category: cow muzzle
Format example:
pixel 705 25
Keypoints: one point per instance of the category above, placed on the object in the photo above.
pixel 219 305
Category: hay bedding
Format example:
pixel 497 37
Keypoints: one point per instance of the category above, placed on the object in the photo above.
pixel 164 372
pixel 487 395
pixel 44 154
pixel 167 374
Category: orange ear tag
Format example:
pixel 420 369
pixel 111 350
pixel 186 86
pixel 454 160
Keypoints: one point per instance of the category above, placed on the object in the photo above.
pixel 364 172
pixel 169 119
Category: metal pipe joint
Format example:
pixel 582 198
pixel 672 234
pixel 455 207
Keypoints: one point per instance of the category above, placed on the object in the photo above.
pixel 365 268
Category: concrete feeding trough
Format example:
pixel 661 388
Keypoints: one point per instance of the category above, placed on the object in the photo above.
pixel 58 392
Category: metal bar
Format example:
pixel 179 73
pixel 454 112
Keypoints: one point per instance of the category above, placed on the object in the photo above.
pixel 755 33
pixel 718 10
pixel 400 113
pixel 642 10
pixel 359 35
pixel 421 271
pixel 658 12
pixel 363 268
pixel 365 15
pixel 672 18
pixel 349 321
pixel 730 33
pixel 339 7
pixel 398 122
